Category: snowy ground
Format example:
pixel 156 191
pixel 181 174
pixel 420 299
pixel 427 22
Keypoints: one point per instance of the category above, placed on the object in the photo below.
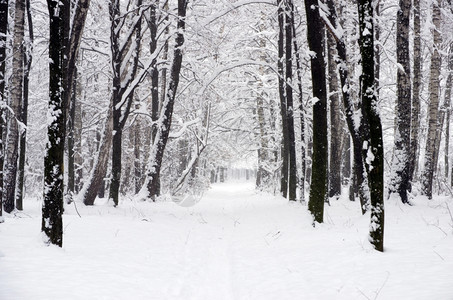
pixel 234 244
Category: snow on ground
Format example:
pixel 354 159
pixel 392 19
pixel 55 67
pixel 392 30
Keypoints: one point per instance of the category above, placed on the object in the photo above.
pixel 235 243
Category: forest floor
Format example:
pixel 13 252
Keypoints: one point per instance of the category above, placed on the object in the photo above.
pixel 235 243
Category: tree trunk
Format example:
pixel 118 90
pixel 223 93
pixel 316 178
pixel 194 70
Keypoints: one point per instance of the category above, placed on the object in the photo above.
pixel 92 186
pixel 137 159
pixel 158 147
pixel 416 87
pixel 433 109
pixel 283 109
pixel 336 128
pixel 121 81
pixel 52 209
pixel 71 142
pixel 17 84
pixel 292 163
pixel 3 41
pixel 301 108
pixel 316 40
pixel 401 161
pixel 24 110
pixel 353 126
pixel 371 128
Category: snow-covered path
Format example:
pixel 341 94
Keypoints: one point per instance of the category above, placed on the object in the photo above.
pixel 234 244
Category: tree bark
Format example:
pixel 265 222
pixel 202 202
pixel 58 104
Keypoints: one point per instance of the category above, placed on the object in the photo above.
pixel 3 41
pixel 292 163
pixel 371 128
pixel 24 111
pixel 96 180
pixel 52 210
pixel 336 128
pixel 400 179
pixel 17 86
pixel 416 87
pixel 316 40
pixel 121 104
pixel 158 147
pixel 283 109
pixel 433 109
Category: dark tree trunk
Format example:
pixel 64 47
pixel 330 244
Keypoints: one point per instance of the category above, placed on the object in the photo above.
pixel 358 178
pixel 373 149
pixel 121 103
pixel 283 109
pixel 292 163
pixel 316 41
pixel 137 159
pixel 158 147
pixel 95 182
pixel 3 31
pixel 24 111
pixel 336 128
pixel 401 160
pixel 52 210
pixel 71 142
pixel 155 105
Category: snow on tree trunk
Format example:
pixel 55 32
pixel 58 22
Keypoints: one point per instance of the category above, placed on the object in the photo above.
pixel 401 162
pixel 433 108
pixel 24 112
pixel 52 210
pixel 96 179
pixel 157 149
pixel 416 88
pixel 316 41
pixel 16 88
pixel 371 128
pixel 3 31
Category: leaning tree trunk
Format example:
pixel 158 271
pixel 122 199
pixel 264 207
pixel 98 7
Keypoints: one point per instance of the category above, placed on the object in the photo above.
pixel 433 109
pixel 96 179
pixel 163 130
pixel 373 148
pixel 316 38
pixel 3 31
pixel 17 84
pixel 52 210
pixel 400 179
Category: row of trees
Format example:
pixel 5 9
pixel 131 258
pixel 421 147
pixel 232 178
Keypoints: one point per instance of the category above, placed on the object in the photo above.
pixel 300 91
